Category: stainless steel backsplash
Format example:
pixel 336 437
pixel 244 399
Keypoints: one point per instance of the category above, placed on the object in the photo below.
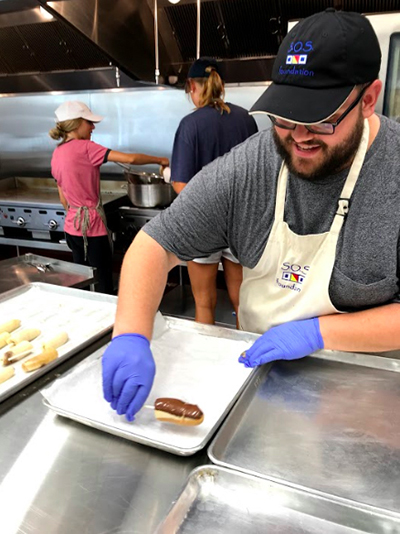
pixel 135 120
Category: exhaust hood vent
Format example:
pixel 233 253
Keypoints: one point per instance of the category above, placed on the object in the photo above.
pixel 229 29
pixel 88 35
pixel 245 34
pixel 45 47
pixel 51 55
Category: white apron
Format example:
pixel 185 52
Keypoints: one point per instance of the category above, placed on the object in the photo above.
pixel 291 280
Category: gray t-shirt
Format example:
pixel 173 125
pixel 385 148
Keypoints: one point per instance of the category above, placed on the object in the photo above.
pixel 231 201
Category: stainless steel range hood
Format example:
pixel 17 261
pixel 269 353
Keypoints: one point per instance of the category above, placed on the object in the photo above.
pixel 41 53
pixel 122 30
pixel 243 34
pixel 88 35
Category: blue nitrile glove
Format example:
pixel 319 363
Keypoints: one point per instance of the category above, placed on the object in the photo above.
pixel 287 341
pixel 128 373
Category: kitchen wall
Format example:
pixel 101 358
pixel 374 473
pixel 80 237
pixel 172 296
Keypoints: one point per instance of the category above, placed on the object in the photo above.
pixel 135 120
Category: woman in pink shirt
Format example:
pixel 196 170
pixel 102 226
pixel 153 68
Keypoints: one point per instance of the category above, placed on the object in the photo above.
pixel 75 166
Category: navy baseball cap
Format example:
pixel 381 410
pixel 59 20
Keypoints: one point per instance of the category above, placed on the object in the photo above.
pixel 198 68
pixel 318 64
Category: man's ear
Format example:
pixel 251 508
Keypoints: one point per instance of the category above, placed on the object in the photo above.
pixel 370 98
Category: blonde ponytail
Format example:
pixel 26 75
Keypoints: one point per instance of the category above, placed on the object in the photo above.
pixel 213 91
pixel 62 129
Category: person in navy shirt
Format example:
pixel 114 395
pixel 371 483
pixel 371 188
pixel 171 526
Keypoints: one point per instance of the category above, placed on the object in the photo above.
pixel 204 135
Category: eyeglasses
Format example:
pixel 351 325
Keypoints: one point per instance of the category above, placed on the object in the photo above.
pixel 321 128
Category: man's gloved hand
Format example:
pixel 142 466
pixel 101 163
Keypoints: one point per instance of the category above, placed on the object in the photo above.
pixel 128 373
pixel 287 341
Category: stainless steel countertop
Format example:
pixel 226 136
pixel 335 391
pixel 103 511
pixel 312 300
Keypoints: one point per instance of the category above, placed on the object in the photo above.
pixel 60 477
pixel 43 192
pixel 22 270
pixel 45 198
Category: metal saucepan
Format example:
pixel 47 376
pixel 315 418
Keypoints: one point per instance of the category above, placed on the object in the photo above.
pixel 147 190
pixel 136 177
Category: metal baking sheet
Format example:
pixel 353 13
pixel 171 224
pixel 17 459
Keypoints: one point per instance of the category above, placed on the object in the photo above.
pixel 321 423
pixel 195 363
pixel 218 501
pixel 84 315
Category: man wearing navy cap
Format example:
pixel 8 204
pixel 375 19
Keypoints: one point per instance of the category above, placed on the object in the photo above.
pixel 309 208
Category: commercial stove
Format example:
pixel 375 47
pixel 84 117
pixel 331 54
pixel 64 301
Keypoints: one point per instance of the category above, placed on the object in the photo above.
pixel 31 213
pixel 131 220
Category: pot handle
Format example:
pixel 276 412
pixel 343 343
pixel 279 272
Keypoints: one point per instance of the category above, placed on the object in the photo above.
pixel 124 166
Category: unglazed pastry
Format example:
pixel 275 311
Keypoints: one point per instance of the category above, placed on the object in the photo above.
pixel 4 337
pixel 10 326
pixel 176 411
pixel 17 352
pixel 45 357
pixel 6 374
pixel 56 341
pixel 24 335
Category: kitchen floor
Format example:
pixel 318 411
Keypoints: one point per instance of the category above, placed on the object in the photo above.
pixel 179 302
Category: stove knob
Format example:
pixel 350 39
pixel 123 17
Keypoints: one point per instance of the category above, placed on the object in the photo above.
pixel 53 224
pixel 20 221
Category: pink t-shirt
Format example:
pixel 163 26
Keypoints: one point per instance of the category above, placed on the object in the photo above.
pixel 75 165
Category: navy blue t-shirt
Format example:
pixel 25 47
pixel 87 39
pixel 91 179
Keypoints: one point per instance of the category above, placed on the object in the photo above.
pixel 205 135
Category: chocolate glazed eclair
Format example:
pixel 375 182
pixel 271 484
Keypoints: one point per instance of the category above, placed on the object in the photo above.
pixel 178 412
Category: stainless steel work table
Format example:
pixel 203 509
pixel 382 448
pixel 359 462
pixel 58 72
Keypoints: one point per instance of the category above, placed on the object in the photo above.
pixel 57 476
pixel 31 268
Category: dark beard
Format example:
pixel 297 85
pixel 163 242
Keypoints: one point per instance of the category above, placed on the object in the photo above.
pixel 336 158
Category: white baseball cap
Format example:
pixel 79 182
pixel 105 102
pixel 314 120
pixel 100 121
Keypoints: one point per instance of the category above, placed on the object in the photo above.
pixel 75 110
